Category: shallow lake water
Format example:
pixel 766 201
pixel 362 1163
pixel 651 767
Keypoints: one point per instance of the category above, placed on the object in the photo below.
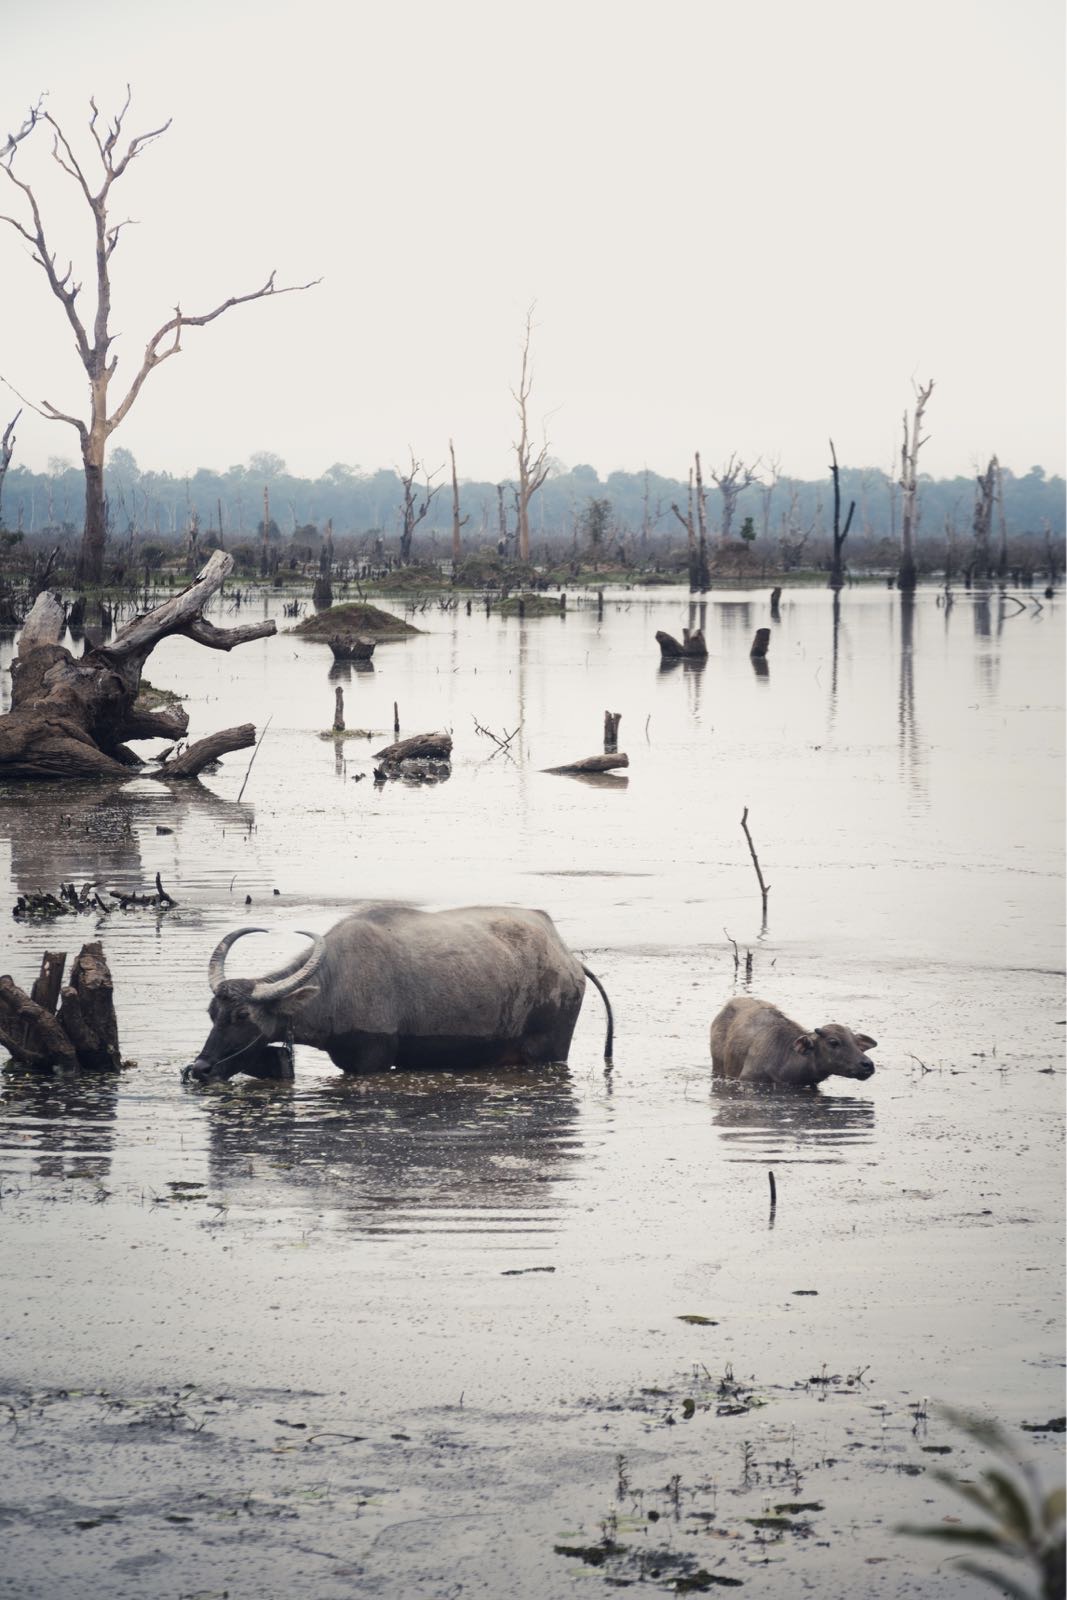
pixel 426 1335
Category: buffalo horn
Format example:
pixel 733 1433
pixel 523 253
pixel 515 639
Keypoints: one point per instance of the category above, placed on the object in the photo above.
pixel 277 988
pixel 216 967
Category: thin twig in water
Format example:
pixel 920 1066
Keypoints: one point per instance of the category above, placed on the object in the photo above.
pixel 501 744
pixel 765 888
pixel 255 753
pixel 737 956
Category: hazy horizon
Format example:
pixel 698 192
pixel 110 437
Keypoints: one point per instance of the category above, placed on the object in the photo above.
pixel 745 229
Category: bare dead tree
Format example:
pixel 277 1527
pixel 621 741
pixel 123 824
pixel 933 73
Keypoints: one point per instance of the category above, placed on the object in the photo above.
pixel 767 488
pixel 703 578
pixel 414 510
pixel 533 464
pixel 93 338
pixel 7 450
pixel 1002 523
pixel 502 518
pixel 690 530
pixel 457 521
pixel 732 480
pixel 909 486
pixel 837 569
pixel 983 518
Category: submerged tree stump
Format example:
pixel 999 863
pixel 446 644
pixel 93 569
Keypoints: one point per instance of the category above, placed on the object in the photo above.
pixel 611 731
pixel 692 646
pixel 71 718
pixel 760 644
pixel 83 1034
pixel 349 647
pixel 424 755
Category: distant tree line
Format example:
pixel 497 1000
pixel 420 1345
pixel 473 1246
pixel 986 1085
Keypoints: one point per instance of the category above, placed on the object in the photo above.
pixel 628 512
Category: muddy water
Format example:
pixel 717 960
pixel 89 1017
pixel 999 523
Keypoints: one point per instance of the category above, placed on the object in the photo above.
pixel 412 1335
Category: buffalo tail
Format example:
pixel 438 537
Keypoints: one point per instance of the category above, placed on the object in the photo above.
pixel 610 1040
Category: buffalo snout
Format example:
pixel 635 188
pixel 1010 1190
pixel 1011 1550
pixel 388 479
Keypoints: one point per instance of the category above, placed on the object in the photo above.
pixel 197 1071
pixel 865 1068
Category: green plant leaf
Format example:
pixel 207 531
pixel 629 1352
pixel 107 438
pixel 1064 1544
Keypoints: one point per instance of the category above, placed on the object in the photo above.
pixel 1005 1585
pixel 958 1533
pixel 1054 1508
pixel 1014 1513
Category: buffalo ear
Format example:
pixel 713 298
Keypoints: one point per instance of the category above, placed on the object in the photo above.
pixel 865 1041
pixel 291 1003
pixel 805 1044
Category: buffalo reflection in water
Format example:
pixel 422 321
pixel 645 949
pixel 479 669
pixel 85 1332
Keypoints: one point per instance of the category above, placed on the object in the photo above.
pixel 388 1148
pixel 789 1125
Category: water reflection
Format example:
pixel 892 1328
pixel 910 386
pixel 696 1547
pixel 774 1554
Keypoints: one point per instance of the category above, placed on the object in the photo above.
pixel 56 1127
pixel 402 1153
pixel 341 671
pixel 911 753
pixel 812 1127
pixel 735 616
pixel 90 831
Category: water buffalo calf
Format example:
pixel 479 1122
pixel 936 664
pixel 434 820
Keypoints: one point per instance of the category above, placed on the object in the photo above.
pixel 754 1042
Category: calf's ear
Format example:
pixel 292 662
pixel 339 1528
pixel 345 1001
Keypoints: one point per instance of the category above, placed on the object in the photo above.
pixel 805 1044
pixel 865 1041
pixel 291 1003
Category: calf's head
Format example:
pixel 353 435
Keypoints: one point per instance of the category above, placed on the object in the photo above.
pixel 248 1015
pixel 835 1049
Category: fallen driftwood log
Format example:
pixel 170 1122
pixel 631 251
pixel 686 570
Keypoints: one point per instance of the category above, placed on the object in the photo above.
pixel 590 764
pixel 71 718
pixel 425 757
pixel 195 757
pixel 692 646
pixel 84 1033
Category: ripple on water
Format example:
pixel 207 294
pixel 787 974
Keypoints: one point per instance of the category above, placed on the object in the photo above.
pixel 811 1126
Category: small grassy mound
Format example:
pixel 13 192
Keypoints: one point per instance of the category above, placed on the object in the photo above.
pixel 354 617
pixel 533 605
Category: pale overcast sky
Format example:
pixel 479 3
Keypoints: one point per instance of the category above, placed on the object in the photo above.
pixel 746 226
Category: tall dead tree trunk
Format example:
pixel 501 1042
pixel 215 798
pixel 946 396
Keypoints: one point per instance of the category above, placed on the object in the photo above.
pixel 71 718
pixel 983 518
pixel 458 522
pixel 703 577
pixel 691 537
pixel 1002 521
pixel 7 450
pixel 837 569
pixel 909 488
pixel 94 339
pixel 533 464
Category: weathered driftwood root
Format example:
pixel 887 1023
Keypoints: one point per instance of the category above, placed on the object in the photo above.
pixel 43 906
pixel 71 718
pixel 591 764
pixel 692 645
pixel 85 1031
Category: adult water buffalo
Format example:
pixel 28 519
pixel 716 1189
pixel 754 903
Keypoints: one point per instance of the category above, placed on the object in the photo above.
pixel 392 986
pixel 756 1043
